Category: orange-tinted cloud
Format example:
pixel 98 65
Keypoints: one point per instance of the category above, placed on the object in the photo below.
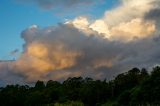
pixel 98 48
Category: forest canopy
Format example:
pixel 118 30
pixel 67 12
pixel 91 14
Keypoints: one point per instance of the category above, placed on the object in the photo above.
pixel 136 87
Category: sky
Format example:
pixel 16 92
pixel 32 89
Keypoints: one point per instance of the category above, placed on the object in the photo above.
pixel 57 39
pixel 16 15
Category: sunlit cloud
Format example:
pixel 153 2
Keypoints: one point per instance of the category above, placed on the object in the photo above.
pixel 125 37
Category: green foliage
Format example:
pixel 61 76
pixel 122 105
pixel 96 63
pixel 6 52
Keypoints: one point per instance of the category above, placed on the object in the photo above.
pixel 39 85
pixel 71 103
pixel 133 88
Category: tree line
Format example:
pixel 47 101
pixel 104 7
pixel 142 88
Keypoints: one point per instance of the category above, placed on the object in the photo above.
pixel 136 87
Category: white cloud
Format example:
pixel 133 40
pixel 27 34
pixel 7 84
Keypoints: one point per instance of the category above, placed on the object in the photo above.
pixel 81 47
pixel 135 29
pixel 128 10
pixel 124 23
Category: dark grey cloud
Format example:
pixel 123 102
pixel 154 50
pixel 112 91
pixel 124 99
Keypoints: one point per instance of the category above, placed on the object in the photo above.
pixel 67 4
pixel 63 51
pixel 8 75
pixel 14 52
pixel 153 14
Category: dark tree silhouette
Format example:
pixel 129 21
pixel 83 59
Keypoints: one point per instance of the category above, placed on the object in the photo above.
pixel 133 88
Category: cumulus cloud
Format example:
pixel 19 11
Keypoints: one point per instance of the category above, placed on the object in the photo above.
pixel 126 22
pixel 64 51
pixel 125 37
pixel 8 75
pixel 135 29
pixel 154 14
pixel 128 10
